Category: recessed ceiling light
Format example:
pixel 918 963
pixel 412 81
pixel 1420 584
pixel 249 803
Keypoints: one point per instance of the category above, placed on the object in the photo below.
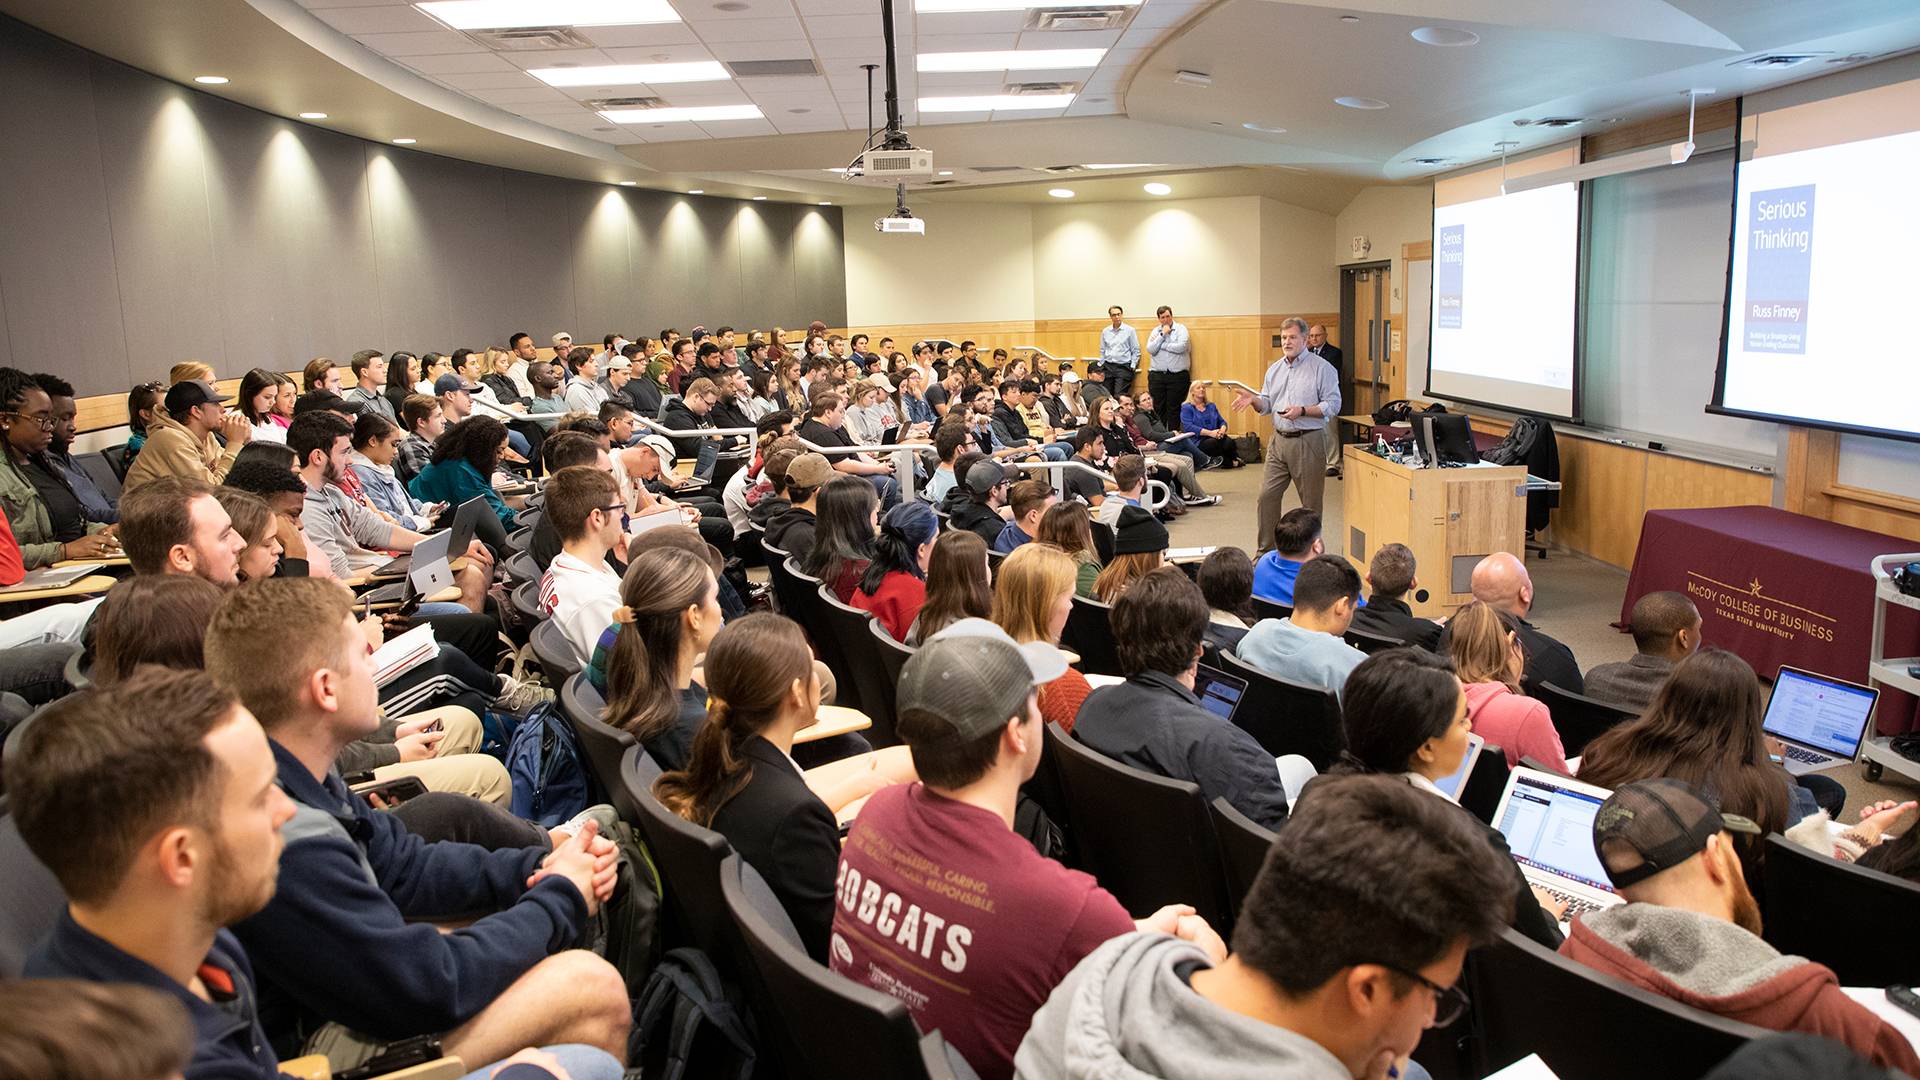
pixel 799 111
pixel 629 183
pixel 405 142
pixel 730 5
pixel 1125 166
pixel 1270 129
pixel 826 204
pixel 1349 18
pixel 946 172
pixel 1445 36
pixel 994 102
pixel 925 7
pixel 505 14
pixel 630 74
pixel 1158 189
pixel 759 198
pixel 1010 60
pixel 1060 192
pixel 313 116
pixel 696 191
pixel 687 114
pixel 1360 102
pixel 211 80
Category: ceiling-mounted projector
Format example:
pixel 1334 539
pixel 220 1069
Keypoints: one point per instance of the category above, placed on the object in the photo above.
pixel 909 226
pixel 888 165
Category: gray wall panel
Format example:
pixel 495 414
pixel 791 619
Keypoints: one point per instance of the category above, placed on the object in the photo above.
pixel 143 222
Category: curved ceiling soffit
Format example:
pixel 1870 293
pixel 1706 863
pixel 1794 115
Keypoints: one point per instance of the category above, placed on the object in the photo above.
pixel 362 61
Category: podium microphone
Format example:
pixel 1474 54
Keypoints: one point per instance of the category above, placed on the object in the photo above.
pixel 1420 596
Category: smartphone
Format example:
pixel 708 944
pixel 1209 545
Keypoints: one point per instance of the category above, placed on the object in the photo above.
pixel 397 790
pixel 435 726
pixel 404 1054
pixel 1905 997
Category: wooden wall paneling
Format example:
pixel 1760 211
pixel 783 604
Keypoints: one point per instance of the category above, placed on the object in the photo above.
pixel 1878 511
pixel 1813 465
pixel 1679 483
pixel 1710 116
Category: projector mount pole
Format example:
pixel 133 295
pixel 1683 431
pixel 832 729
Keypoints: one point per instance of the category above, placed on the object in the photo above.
pixel 896 135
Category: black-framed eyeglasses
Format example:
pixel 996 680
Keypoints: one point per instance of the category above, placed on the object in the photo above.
pixel 1448 1001
pixel 46 422
pixel 616 508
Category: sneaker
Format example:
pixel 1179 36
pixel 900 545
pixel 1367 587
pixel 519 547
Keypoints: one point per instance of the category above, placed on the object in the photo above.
pixel 1201 500
pixel 1215 462
pixel 602 814
pixel 517 697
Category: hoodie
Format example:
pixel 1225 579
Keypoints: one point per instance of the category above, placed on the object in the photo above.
pixel 172 449
pixel 1715 966
pixel 1127 1013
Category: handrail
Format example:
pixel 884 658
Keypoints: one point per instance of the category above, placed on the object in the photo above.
pixel 1059 483
pixel 691 433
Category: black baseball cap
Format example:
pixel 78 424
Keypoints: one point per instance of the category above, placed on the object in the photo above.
pixel 1664 822
pixel 184 395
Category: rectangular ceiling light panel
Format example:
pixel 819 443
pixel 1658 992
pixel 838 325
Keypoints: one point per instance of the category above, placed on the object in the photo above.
pixel 632 74
pixel 494 14
pixel 693 114
pixel 994 102
pixel 1011 60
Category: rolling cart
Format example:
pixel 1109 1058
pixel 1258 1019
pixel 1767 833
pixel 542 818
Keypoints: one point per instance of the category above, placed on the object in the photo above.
pixel 1889 671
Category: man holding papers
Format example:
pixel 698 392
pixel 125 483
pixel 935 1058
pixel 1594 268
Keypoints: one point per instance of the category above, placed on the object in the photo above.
pixel 1301 392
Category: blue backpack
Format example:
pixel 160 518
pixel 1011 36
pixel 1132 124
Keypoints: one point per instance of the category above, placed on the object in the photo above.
pixel 550 781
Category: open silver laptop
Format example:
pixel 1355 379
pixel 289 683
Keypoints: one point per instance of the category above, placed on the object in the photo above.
pixel 1821 720
pixel 1548 822
pixel 1450 785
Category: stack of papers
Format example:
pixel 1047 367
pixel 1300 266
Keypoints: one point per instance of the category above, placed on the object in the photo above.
pixel 403 654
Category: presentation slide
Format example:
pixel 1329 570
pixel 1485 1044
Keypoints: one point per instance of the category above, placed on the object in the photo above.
pixel 1814 311
pixel 1505 270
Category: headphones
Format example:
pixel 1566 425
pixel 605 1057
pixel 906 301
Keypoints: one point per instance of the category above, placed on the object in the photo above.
pixel 1907 579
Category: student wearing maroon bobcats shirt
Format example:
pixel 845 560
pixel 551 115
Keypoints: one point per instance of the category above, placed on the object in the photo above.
pixel 938 901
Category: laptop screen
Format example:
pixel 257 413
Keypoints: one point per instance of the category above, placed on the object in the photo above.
pixel 1549 826
pixel 1218 691
pixel 1819 712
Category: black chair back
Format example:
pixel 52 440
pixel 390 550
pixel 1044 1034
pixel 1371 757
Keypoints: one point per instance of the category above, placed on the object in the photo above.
pixel 529 516
pixel 101 473
pixel 825 1026
pixel 778 578
pixel 855 664
pixel 554 652
pixel 880 660
pixel 688 858
pixel 1586 1026
pixel 30 899
pixel 604 744
pixel 521 568
pixel 1103 541
pixel 1271 609
pixel 1288 717
pixel 1480 792
pixel 1147 838
pixel 894 655
pixel 994 561
pixel 526 601
pixel 117 459
pixel 1369 642
pixel 1578 718
pixel 1816 907
pixel 1089 632
pixel 1243 848
pixel 520 539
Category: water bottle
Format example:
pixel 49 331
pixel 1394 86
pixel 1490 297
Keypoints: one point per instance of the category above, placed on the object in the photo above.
pixel 1380 446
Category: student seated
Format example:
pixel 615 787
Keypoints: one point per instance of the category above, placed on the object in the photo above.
pixel 353 538
pixel 70 1028
pixel 1154 722
pixel 560 451
pixel 1032 597
pixel 348 953
pixel 791 530
pixel 192 845
pixel 848 514
pixel 1069 526
pixel 1346 950
pixel 579 589
pixel 1296 539
pixel 742 782
pixel 1666 630
pixel 669 613
pixel 1139 548
pixel 950 440
pixel 94 503
pixel 152 619
pixel 1501 581
pixel 1690 929
pixel 49 520
pixel 1484 644
pixel 976 504
pixel 974 960
pixel 959 585
pixel 894 585
pixel 180 437
pixel 462 467
pixel 1390 578
pixel 1030 500
pixel 1130 488
pixel 1306 647
pixel 376 442
pixel 1406 715
pixel 1225 578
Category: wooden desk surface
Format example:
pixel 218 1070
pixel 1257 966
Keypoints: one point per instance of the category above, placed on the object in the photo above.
pixel 833 720
pixel 86 586
pixel 97 560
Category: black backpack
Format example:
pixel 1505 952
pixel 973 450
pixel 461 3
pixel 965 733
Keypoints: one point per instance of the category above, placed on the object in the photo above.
pixel 690 1021
pixel 631 921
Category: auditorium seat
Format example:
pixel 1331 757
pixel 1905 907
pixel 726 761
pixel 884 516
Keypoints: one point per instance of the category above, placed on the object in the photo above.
pixel 894 655
pixel 858 669
pixel 555 653
pixel 888 658
pixel 520 539
pixel 521 568
pixel 994 561
pixel 528 517
pixel 101 473
pixel 687 857
pixel 1147 838
pixel 1089 632
pixel 1243 848
pixel 826 1026
pixel 1840 915
pixel 30 898
pixel 116 456
pixel 1578 718
pixel 526 601
pixel 1288 717
pixel 1270 609
pixel 1102 541
pixel 603 743
pixel 1584 1025
pixel 1369 642
pixel 786 598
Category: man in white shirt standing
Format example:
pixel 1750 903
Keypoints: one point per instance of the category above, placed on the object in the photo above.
pixel 1119 351
pixel 579 590
pixel 1302 394
pixel 1172 372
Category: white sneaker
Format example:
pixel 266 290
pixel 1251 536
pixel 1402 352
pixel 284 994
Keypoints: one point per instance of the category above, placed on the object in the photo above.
pixel 1201 500
pixel 516 696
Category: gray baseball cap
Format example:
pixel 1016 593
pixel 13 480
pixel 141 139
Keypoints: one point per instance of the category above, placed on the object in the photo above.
pixel 973 677
pixel 984 476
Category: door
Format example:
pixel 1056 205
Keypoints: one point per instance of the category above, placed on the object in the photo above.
pixel 1370 358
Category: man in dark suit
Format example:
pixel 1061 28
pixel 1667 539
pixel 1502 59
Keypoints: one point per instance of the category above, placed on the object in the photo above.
pixel 1318 345
pixel 1389 579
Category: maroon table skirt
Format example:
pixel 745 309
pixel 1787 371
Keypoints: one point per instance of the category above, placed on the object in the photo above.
pixel 1779 588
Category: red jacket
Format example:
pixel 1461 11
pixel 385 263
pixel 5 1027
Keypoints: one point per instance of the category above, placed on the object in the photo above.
pixel 897 603
pixel 12 569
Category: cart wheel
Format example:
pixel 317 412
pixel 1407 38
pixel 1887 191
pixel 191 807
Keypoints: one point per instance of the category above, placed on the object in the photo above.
pixel 1874 769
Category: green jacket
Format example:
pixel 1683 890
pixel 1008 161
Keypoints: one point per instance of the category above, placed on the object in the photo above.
pixel 27 514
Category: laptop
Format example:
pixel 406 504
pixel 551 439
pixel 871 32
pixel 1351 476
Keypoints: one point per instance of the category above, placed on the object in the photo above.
pixel 466 518
pixel 1451 786
pixel 1548 822
pixel 429 572
pixel 1218 691
pixel 1821 720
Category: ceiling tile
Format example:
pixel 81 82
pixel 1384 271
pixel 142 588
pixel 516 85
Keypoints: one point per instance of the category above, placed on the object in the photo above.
pixel 489 80
pixel 791 125
pixel 971 22
pixel 705 11
pixel 737 129
pixel 701 94
pixel 622 137
pixel 902 12
pixel 545 58
pixel 377 20
pixel 660 54
pixel 845 26
pixel 458 63
pixel 956 118
pixel 1163 15
pixel 944 81
pixel 519 97
pixel 669 132
pixel 966 42
pixel 421 44
pixel 1078 39
pixel 1138 37
pixel 619 37
pixel 797 85
pixel 555 108
pixel 760 50
pixel 754 30
pixel 857 50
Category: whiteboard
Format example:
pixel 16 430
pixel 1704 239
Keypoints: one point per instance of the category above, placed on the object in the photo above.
pixel 1416 321
pixel 1656 281
pixel 1880 464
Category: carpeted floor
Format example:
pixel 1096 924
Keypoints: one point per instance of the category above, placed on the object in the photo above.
pixel 1575 598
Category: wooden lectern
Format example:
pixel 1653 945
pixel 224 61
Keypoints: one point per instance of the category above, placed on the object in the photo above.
pixel 1451 518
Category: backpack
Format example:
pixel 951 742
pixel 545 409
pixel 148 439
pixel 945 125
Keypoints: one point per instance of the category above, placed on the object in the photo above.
pixel 689 1021
pixel 1513 449
pixel 630 931
pixel 544 760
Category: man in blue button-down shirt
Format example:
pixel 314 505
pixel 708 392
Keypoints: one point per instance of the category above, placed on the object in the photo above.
pixel 1119 352
pixel 1167 380
pixel 1302 394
